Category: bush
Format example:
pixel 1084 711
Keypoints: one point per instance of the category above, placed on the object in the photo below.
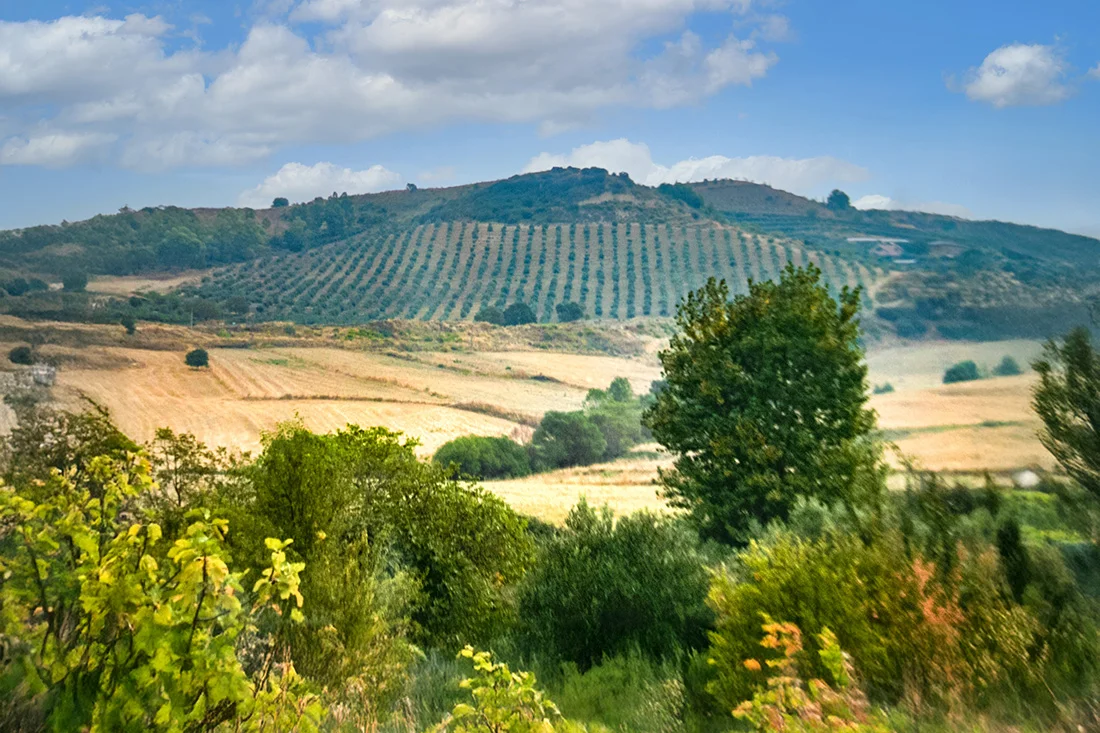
pixel 197 358
pixel 369 493
pixel 75 282
pixel 964 371
pixel 129 323
pixel 566 439
pixel 280 203
pixel 603 587
pixel 140 626
pixel 1008 367
pixel 519 314
pixel 570 312
pixel 485 458
pixel 21 355
pixel 490 314
pixel 17 286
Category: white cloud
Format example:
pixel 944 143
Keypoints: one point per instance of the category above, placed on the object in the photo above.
pixel 878 201
pixel 299 182
pixel 807 176
pixel 377 66
pixel 1019 75
pixel 53 150
pixel 1095 73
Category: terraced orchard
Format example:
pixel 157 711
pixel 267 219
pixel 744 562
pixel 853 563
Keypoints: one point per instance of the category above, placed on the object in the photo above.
pixel 449 271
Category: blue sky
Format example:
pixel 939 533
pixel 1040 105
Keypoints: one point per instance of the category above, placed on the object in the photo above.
pixel 978 108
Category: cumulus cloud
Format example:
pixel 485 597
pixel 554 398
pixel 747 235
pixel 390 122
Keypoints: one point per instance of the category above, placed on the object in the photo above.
pixel 878 201
pixel 375 67
pixel 1095 73
pixel 299 182
pixel 807 176
pixel 53 150
pixel 1019 75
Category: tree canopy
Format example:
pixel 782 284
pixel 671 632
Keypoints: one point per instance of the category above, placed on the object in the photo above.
pixel 765 402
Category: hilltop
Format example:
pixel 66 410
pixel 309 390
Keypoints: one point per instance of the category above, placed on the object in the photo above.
pixel 618 249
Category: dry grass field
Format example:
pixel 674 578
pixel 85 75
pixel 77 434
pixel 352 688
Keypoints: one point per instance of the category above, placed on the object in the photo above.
pixel 436 396
pixel 134 284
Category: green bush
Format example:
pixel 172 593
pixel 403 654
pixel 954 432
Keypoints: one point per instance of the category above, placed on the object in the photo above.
pixel 75 282
pixel 197 358
pixel 566 439
pixel 569 312
pixel 964 371
pixel 519 314
pixel 602 587
pixel 366 491
pixel 1008 367
pixel 484 458
pixel 22 355
pixel 490 314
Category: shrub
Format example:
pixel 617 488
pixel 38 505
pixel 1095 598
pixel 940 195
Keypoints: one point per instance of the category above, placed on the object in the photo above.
pixel 21 355
pixel 519 314
pixel 603 587
pixel 566 439
pixel 1008 367
pixel 569 312
pixel 75 282
pixel 129 323
pixel 17 286
pixel 366 489
pixel 142 631
pixel 197 358
pixel 964 371
pixel 485 458
pixel 490 314
pixel 280 203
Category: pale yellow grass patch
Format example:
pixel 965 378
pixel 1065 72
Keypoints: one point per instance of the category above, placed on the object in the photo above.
pixel 136 284
pixel 576 370
pixel 1004 399
pixel 627 486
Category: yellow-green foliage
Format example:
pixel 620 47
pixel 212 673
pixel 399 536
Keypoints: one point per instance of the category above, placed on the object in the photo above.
pixel 108 624
pixel 504 700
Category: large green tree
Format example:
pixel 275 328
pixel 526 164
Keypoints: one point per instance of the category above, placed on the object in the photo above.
pixel 1067 399
pixel 766 402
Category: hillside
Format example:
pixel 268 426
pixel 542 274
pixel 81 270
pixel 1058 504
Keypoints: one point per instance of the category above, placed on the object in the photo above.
pixel 450 270
pixel 619 249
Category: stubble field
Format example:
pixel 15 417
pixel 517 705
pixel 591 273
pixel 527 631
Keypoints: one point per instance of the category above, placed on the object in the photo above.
pixel 436 396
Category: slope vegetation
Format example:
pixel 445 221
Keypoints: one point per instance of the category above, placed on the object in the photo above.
pixel 452 269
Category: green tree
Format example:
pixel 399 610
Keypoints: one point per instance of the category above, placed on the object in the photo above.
pixel 75 282
pixel 519 314
pixel 280 203
pixel 129 323
pixel 1008 367
pixel 22 355
pixel 197 358
pixel 620 390
pixel 566 439
pixel 362 495
pixel 603 587
pixel 490 314
pixel 569 312
pixel 484 458
pixel 839 201
pixel 1067 400
pixel 964 371
pixel 766 402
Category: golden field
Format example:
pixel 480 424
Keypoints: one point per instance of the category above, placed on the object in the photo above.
pixel 439 395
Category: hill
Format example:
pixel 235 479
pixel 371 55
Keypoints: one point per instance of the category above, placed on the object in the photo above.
pixel 618 249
